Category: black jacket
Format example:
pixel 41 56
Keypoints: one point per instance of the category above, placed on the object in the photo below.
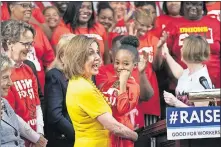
pixel 57 121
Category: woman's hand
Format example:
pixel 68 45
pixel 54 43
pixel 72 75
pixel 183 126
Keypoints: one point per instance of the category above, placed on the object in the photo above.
pixel 131 28
pixel 162 40
pixel 169 98
pixel 42 142
pixel 165 51
pixel 129 14
pixel 142 64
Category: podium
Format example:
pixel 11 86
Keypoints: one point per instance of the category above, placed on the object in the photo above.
pixel 155 135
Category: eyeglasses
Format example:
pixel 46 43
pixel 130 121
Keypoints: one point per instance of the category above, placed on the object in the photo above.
pixel 28 44
pixel 25 6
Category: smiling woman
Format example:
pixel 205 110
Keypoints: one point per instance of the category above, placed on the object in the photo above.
pixel 12 126
pixel 17 39
pixel 80 19
pixel 52 17
pixel 105 15
pixel 41 53
pixel 87 108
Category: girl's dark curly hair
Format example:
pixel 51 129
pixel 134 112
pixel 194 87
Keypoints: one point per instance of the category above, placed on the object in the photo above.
pixel 11 31
pixel 130 43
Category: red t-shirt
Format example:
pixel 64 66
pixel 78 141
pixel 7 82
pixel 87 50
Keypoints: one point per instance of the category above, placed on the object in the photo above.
pixel 161 22
pixel 97 31
pixel 207 27
pixel 125 102
pixel 213 10
pixel 120 29
pixel 38 15
pixel 42 54
pixel 148 43
pixel 57 33
pixel 106 73
pixel 23 94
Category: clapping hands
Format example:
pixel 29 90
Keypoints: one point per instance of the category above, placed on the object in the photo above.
pixel 162 45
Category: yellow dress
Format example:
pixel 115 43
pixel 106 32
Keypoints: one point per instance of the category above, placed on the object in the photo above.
pixel 84 104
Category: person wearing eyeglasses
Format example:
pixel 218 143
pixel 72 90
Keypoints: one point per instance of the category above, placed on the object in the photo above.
pixel 141 27
pixel 17 39
pixel 13 127
pixel 41 53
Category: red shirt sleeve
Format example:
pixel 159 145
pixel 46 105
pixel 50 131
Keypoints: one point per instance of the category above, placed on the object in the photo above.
pixel 101 77
pixel 37 14
pixel 48 55
pixel 128 100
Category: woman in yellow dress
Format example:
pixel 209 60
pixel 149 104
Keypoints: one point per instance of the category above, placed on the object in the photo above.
pixel 90 113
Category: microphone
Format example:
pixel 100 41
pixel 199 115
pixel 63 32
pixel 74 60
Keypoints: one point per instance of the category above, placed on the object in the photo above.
pixel 203 81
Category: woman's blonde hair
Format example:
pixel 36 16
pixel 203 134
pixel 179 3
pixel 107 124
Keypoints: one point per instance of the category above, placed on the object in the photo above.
pixel 144 15
pixel 195 49
pixel 62 44
pixel 76 55
pixel 5 62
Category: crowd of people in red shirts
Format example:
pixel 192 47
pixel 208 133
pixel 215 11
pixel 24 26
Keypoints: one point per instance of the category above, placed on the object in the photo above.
pixel 149 21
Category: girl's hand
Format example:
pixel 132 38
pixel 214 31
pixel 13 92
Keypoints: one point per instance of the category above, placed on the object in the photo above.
pixel 124 75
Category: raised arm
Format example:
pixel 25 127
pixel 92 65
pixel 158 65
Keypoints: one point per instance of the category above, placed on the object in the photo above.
pixel 127 98
pixel 158 57
pixel 175 68
pixel 146 90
